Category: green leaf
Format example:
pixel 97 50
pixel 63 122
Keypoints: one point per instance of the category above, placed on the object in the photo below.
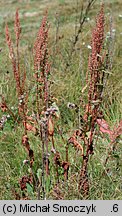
pixel 29 188
pixel 48 184
pixel 39 173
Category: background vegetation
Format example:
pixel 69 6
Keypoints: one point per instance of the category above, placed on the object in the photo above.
pixel 69 65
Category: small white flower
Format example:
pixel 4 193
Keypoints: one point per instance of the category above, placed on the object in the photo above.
pixel 83 43
pixel 8 116
pixel 89 47
pixel 87 19
pixel 25 162
pixel 53 150
pixel 120 15
pixel 3 120
pixel 20 100
pixel 12 108
pixel 113 30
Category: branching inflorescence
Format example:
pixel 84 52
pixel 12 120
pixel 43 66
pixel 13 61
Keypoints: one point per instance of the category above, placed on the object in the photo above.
pixel 94 81
pixel 41 64
pixel 20 86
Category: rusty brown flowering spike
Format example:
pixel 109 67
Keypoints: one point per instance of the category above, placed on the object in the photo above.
pixel 92 108
pixel 41 63
pixel 95 58
pixel 42 68
pixel 98 32
pixel 40 44
pixel 17 30
pixel 17 27
pixel 13 60
pixel 9 42
pixel 97 41
pixel 95 64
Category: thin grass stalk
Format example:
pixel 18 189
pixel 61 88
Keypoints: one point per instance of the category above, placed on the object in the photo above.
pixel 78 30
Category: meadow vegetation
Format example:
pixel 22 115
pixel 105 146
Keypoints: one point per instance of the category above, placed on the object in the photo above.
pixel 60 99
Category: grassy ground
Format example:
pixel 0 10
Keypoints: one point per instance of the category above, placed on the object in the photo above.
pixel 67 83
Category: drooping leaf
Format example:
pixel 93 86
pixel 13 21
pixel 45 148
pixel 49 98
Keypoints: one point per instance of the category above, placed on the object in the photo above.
pixel 117 131
pixel 76 144
pixel 104 127
pixel 50 126
pixel 29 127
pixel 29 188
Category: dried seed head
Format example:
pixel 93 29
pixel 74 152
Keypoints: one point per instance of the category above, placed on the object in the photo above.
pixel 71 105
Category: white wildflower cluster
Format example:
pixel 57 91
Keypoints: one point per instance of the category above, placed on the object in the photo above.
pixel 43 122
pixel 21 99
pixel 52 110
pixel 8 116
pixel 111 34
pixel 3 121
pixel 71 105
pixel 89 47
pixel 13 108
